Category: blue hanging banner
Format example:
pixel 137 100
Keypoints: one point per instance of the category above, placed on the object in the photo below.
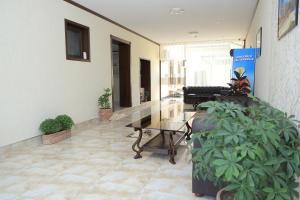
pixel 244 62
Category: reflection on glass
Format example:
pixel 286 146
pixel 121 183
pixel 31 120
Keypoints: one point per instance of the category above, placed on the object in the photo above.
pixel 171 118
pixel 74 45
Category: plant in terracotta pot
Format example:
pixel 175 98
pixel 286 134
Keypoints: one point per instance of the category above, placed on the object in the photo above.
pixel 56 130
pixel 105 111
pixel 252 152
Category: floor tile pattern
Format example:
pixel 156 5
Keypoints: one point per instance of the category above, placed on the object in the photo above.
pixel 95 163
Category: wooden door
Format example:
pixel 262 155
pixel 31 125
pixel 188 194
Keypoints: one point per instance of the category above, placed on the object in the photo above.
pixel 146 77
pixel 125 81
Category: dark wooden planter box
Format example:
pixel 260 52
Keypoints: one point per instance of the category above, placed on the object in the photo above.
pixel 204 188
pixel 201 187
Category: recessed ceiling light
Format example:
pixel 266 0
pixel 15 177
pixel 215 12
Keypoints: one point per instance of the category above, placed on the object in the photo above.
pixel 176 11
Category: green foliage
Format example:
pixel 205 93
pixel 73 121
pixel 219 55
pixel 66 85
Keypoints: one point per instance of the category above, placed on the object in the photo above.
pixel 65 121
pixel 50 126
pixel 251 151
pixel 240 84
pixel 103 100
pixel 60 123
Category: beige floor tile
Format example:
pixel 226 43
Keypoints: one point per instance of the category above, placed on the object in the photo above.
pixel 95 163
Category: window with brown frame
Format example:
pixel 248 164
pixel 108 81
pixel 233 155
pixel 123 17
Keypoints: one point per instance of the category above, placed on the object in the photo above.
pixel 77 41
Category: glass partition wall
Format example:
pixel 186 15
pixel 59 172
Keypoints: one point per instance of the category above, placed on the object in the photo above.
pixel 197 64
pixel 172 71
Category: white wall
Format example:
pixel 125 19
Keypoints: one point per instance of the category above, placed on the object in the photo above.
pixel 262 18
pixel 278 70
pixel 36 80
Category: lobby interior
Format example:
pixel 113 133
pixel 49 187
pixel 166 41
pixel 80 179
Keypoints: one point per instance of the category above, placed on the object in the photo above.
pixel 102 99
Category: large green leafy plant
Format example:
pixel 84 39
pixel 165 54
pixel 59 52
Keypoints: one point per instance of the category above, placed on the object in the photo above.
pixel 103 100
pixel 253 152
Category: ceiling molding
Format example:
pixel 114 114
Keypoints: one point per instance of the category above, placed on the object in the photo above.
pixel 202 41
pixel 109 20
pixel 212 19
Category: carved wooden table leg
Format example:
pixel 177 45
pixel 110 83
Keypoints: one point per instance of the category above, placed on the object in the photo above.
pixel 189 131
pixel 136 145
pixel 172 150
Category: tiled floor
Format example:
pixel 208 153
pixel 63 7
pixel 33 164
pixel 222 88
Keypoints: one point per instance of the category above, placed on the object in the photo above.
pixel 96 163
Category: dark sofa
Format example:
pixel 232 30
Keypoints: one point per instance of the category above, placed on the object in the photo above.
pixel 195 95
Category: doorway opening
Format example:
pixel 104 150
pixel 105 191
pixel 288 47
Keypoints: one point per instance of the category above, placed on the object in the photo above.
pixel 145 80
pixel 121 81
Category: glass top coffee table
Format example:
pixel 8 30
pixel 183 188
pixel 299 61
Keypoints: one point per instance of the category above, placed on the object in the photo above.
pixel 173 126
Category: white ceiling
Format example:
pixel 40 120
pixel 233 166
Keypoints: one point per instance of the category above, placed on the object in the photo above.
pixel 213 19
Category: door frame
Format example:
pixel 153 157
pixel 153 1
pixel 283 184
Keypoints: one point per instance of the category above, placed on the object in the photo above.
pixel 146 59
pixel 119 40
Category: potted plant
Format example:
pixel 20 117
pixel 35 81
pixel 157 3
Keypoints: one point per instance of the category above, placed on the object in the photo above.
pixel 56 130
pixel 252 152
pixel 105 111
pixel 240 85
pixel 239 90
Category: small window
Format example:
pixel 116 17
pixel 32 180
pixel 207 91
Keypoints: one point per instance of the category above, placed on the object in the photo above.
pixel 77 41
